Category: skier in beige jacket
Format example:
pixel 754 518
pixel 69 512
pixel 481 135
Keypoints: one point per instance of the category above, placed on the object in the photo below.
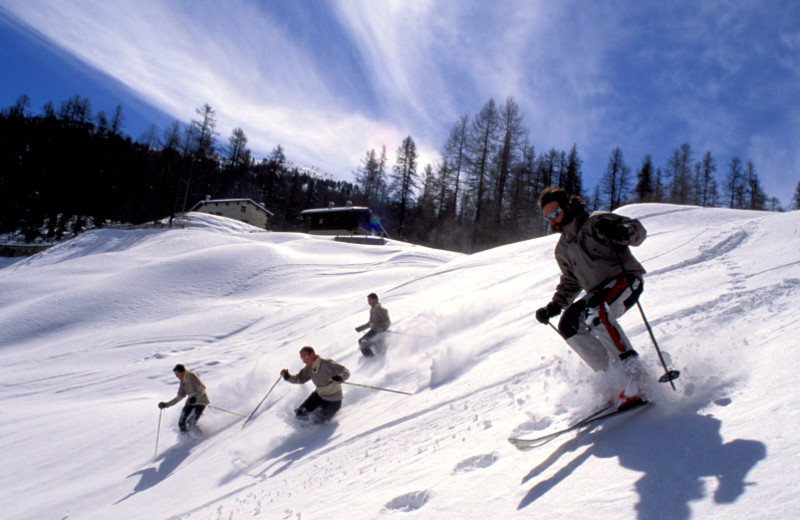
pixel 192 386
pixel 372 342
pixel 328 376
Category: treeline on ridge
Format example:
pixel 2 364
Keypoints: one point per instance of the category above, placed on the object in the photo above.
pixel 67 170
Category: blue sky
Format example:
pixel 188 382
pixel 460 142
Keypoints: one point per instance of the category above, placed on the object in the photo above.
pixel 329 80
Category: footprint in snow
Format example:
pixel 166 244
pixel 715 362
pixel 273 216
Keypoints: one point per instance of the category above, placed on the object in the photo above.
pixel 408 502
pixel 476 462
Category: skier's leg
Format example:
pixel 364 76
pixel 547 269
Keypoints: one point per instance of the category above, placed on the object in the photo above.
pixel 182 422
pixel 602 318
pixel 198 411
pixel 327 410
pixel 365 343
pixel 308 406
pixel 573 328
pixel 604 326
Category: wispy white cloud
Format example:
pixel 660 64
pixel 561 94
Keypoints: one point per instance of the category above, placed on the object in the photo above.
pixel 331 80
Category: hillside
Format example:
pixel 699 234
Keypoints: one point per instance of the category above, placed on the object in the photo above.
pixel 90 330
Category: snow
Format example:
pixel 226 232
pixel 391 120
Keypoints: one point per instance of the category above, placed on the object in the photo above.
pixel 90 331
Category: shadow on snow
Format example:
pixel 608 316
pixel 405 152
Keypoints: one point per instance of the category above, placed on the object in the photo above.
pixel 674 453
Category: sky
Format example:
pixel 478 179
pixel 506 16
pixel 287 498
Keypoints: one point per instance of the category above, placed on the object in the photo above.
pixel 331 80
pixel 91 328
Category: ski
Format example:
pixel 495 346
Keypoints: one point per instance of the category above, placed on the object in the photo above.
pixel 606 413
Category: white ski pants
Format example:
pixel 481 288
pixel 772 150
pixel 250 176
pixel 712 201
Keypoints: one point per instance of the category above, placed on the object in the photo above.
pixel 590 325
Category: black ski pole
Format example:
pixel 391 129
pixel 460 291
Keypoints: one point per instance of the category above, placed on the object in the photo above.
pixel 669 375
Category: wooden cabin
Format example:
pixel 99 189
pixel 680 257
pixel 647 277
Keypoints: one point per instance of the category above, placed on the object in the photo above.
pixel 355 224
pixel 244 210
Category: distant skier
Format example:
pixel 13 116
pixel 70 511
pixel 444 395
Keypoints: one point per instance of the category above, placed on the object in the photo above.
pixel 593 256
pixel 328 376
pixel 378 323
pixel 192 386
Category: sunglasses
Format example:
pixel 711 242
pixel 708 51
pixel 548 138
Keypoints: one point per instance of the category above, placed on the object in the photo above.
pixel 554 214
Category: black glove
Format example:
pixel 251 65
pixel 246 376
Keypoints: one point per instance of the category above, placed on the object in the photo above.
pixel 544 314
pixel 611 229
pixel 337 379
pixel 162 405
pixel 192 400
pixel 285 374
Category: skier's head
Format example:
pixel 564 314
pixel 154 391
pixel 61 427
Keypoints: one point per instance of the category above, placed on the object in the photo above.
pixel 372 299
pixel 308 355
pixel 179 370
pixel 558 207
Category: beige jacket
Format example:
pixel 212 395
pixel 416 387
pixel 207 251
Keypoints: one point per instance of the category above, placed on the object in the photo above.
pixel 320 373
pixel 587 260
pixel 378 319
pixel 191 386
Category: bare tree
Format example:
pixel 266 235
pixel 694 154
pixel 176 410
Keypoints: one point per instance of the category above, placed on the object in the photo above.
pixel 796 197
pixel 404 181
pixel 238 153
pixel 755 194
pixel 616 179
pixel 370 176
pixel 203 132
pixel 705 175
pixel 116 121
pixel 645 185
pixel 455 150
pixel 512 134
pixel 482 145
pixel 734 185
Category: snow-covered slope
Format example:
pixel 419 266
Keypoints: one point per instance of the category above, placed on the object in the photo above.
pixel 90 330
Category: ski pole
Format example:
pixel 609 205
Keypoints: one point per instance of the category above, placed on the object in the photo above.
pixel 377 388
pixel 221 409
pixel 669 375
pixel 158 432
pixel 262 401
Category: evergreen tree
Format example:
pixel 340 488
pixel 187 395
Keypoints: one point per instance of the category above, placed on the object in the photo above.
pixel 796 197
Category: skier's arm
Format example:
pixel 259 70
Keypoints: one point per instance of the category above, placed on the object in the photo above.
pixel 568 286
pixel 339 373
pixel 298 379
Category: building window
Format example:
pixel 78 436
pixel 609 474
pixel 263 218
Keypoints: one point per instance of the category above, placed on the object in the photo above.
pixel 244 209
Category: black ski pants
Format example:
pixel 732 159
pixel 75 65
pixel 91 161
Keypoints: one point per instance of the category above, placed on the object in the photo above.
pixel 316 409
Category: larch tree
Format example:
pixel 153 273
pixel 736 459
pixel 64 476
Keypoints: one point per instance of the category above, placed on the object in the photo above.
pixel 404 180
